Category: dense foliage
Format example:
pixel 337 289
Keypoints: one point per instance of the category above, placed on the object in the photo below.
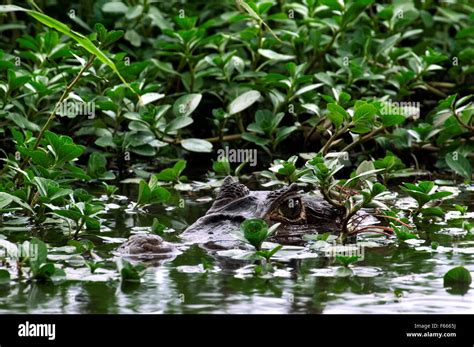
pixel 346 98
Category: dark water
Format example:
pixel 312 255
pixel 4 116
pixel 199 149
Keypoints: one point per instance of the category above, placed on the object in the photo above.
pixel 393 277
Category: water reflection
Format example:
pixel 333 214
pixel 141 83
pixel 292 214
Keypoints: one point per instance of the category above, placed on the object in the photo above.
pixel 391 279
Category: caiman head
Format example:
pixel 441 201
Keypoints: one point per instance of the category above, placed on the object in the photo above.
pixel 298 213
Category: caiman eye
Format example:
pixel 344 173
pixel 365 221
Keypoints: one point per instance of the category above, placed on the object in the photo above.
pixel 290 208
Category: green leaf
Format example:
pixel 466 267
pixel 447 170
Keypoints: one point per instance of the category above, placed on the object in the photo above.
pixel 255 139
pixel 159 195
pixel 439 195
pixel 133 11
pixel 179 167
pixel 255 15
pixel 403 233
pixel 166 175
pixel 96 166
pixel 283 133
pixel 432 211
pixel 457 276
pixel 178 123
pixel 38 253
pixel 82 246
pixel 63 147
pixel 172 174
pixel 363 118
pixel 69 214
pixel 354 10
pixel 243 101
pixel 377 189
pixel 151 97
pixel 114 7
pixel 255 231
pixel 186 104
pixel 129 272
pixel 337 114
pixel 389 120
pixel 157 228
pixel 43 185
pixel 221 167
pixel 22 122
pixel 272 55
pixel 6 199
pixel 459 164
pixel 144 193
pixel 82 40
pixel 347 260
pixel 197 145
pixel 45 272
pixel 4 276
pixel 387 44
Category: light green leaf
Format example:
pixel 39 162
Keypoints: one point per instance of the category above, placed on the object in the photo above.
pixel 186 104
pixel 336 114
pixel 4 276
pixel 272 55
pixel 178 123
pixel 196 145
pixel 457 276
pixel 243 101
pixel 115 7
pixel 82 40
pixel 150 97
pixel 459 164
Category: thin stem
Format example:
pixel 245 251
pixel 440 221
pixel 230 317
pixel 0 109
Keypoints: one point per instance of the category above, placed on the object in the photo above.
pixel 324 51
pixel 52 115
pixel 362 139
pixel 461 123
pixel 338 133
pixel 328 198
pixel 79 227
pixel 395 219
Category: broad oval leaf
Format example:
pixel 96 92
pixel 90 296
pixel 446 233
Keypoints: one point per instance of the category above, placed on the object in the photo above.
pixel 272 55
pixel 243 101
pixel 336 114
pixel 186 104
pixel 115 7
pixel 197 145
pixel 178 123
pixel 150 97
pixel 459 164
pixel 458 277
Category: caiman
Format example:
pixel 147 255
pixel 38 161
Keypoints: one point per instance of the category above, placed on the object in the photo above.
pixel 299 214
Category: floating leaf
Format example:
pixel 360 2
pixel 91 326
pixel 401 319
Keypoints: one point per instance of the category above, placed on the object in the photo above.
pixel 4 276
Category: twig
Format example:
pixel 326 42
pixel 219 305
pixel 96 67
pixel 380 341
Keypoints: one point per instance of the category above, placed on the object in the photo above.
pixel 461 123
pixel 52 115
pixel 362 139
pixel 370 228
pixel 338 133
pixel 395 219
